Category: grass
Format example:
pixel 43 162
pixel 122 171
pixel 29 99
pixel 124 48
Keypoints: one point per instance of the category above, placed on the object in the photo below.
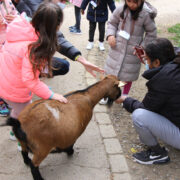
pixel 176 31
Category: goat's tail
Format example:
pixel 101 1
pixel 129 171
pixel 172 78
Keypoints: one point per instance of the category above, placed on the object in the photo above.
pixel 16 125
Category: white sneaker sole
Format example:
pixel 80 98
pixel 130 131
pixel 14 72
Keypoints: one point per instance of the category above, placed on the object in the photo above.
pixel 157 161
pixel 19 148
pixel 13 138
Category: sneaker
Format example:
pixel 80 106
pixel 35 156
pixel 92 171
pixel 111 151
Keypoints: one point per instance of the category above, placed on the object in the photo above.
pixel 151 157
pixel 101 46
pixel 90 45
pixel 12 136
pixel 19 147
pixel 75 31
pixel 72 27
pixel 103 101
pixel 4 111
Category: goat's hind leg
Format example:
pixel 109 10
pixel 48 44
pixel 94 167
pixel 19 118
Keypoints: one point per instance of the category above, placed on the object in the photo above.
pixel 24 153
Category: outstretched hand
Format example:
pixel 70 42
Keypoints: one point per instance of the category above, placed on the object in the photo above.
pixel 60 98
pixel 89 66
pixel 121 99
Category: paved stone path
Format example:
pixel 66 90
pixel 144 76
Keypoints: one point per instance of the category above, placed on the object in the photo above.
pixel 98 154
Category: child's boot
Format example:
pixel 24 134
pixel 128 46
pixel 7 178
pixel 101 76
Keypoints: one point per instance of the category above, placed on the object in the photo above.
pixel 90 45
pixel 101 46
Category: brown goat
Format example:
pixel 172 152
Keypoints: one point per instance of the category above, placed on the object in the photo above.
pixel 48 124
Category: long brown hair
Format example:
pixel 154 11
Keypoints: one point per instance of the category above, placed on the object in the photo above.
pixel 45 21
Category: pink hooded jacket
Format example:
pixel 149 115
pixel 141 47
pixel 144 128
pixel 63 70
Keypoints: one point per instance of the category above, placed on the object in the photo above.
pixel 17 79
pixel 76 2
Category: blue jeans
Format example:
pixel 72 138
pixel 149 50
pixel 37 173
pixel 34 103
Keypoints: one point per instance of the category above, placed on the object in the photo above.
pixel 150 126
pixel 77 11
pixel 60 66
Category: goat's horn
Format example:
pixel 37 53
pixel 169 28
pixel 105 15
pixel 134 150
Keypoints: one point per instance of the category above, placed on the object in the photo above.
pixel 121 84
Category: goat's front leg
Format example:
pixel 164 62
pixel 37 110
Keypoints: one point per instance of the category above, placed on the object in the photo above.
pixel 35 172
pixel 69 150
pixel 24 153
pixel 26 158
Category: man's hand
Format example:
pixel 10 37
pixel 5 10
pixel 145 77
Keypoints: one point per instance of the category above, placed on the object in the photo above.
pixel 89 66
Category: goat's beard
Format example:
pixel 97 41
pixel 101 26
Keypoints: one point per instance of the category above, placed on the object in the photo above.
pixel 110 102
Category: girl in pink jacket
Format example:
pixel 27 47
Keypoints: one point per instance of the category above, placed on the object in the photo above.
pixel 7 14
pixel 26 54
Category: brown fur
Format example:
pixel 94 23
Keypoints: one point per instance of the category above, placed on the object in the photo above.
pixel 45 132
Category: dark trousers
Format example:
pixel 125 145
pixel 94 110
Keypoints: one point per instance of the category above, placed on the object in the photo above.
pixel 60 66
pixel 77 12
pixel 92 28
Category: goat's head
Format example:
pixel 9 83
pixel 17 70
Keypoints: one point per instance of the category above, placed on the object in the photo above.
pixel 114 91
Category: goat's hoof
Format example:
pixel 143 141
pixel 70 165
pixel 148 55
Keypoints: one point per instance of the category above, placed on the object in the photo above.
pixel 27 162
pixel 70 152
pixel 57 150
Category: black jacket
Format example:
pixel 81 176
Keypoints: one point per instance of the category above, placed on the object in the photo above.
pixel 100 13
pixel 66 48
pixel 163 94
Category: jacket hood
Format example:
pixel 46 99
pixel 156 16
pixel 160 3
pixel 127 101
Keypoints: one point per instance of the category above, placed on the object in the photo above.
pixel 166 78
pixel 150 9
pixel 20 30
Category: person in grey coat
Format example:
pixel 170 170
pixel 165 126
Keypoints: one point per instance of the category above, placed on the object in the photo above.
pixel 131 24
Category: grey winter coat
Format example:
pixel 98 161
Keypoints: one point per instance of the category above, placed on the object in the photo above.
pixel 121 62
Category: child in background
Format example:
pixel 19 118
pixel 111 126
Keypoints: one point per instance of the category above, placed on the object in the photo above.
pixel 131 24
pixel 77 10
pixel 7 14
pixel 97 13
pixel 27 53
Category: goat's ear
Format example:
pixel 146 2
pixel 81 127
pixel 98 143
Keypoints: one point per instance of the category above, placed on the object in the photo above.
pixel 116 83
pixel 121 84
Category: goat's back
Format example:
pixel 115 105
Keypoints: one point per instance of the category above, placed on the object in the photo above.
pixel 49 121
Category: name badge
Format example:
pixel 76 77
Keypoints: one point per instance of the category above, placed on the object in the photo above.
pixel 93 4
pixel 124 34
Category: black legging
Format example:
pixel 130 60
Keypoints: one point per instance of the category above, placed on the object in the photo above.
pixel 92 28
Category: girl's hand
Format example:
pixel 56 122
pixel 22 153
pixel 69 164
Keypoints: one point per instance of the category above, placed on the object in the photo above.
pixel 112 41
pixel 89 66
pixel 9 18
pixel 1 20
pixel 121 99
pixel 60 98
